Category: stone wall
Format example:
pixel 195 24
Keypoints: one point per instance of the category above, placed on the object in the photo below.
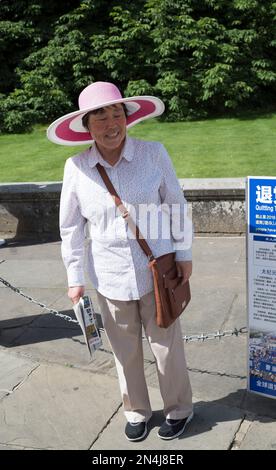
pixel 30 210
pixel 217 204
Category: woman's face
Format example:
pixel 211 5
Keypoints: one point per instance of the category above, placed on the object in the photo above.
pixel 108 127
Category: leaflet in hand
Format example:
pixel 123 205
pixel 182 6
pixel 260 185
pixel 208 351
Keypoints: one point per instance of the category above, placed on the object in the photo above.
pixel 86 317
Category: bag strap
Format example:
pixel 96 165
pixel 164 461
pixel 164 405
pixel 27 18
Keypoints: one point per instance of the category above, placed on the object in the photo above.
pixel 125 214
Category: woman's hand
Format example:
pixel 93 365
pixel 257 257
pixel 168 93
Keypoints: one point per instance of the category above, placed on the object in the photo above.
pixel 184 270
pixel 75 293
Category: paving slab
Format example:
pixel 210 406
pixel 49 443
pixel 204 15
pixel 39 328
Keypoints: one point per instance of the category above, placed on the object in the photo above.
pixel 224 356
pixel 30 250
pixel 227 355
pixel 261 435
pixel 58 345
pixel 237 316
pixel 210 386
pixel 217 252
pixel 260 405
pixel 217 368
pixel 16 311
pixel 58 408
pixel 41 273
pixel 209 316
pixel 27 328
pixel 13 370
pixel 2 447
pixel 219 263
pixel 213 428
pixel 51 339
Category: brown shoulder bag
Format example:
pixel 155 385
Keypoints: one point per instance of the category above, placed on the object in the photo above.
pixel 170 296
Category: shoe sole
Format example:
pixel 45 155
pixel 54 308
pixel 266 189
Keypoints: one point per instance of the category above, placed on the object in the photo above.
pixel 138 438
pixel 179 432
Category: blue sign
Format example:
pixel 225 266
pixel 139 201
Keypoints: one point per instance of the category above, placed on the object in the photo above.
pixel 267 367
pixel 262 206
pixel 258 238
pixel 260 385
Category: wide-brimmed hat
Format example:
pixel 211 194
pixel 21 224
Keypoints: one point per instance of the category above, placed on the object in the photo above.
pixel 68 129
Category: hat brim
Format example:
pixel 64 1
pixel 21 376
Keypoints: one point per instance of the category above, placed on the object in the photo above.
pixel 68 129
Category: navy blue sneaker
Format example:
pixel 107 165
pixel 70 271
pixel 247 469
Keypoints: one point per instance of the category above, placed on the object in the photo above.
pixel 172 428
pixel 136 431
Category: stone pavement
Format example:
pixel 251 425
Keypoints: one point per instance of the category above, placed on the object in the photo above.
pixel 53 396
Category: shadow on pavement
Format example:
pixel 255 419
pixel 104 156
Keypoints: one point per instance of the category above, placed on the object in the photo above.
pixel 207 414
pixel 34 329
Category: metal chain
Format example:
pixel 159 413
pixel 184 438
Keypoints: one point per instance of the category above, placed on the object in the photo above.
pixel 187 338
pixel 54 312
pixel 219 334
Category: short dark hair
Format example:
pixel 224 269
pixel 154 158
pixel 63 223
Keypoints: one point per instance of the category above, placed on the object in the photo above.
pixel 85 118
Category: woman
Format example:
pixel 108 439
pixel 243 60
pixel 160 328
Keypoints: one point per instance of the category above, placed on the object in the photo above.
pixel 144 178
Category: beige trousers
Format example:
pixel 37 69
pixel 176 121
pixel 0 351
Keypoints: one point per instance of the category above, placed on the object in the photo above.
pixel 123 322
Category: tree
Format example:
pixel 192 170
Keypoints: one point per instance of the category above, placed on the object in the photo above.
pixel 200 56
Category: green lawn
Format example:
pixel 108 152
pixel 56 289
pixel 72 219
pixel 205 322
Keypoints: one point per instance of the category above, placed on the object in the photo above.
pixel 201 149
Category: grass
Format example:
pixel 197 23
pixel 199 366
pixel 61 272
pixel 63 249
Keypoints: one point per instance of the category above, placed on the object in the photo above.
pixel 212 148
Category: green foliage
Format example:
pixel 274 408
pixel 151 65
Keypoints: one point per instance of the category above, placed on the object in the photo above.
pixel 202 57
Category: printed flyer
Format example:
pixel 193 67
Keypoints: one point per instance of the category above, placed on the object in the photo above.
pixel 261 284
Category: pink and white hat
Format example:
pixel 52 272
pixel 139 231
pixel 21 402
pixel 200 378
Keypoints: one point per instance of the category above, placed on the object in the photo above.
pixel 68 129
